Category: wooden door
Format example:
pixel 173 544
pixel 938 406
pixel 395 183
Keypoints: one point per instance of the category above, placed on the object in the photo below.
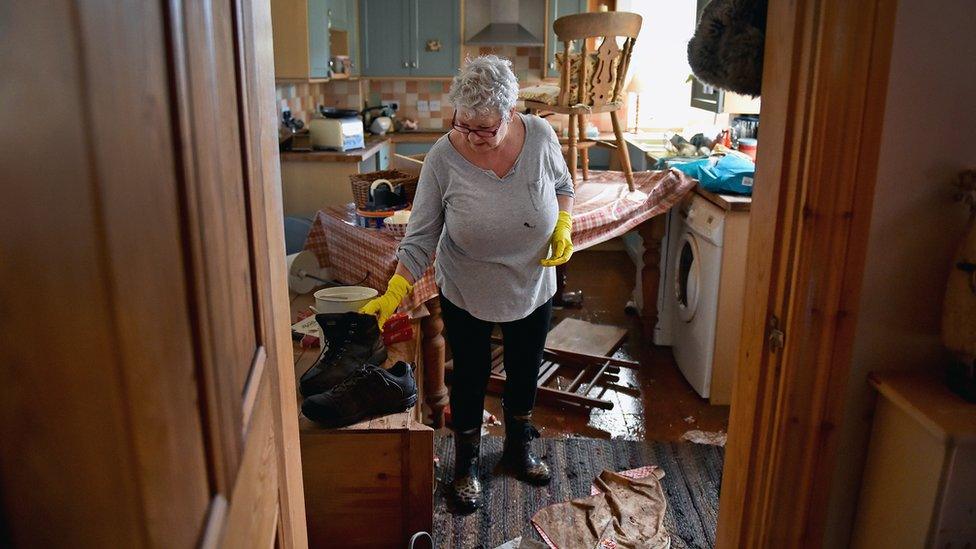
pixel 825 79
pixel 141 229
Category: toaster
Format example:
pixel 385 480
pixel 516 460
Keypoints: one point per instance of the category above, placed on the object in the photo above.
pixel 337 134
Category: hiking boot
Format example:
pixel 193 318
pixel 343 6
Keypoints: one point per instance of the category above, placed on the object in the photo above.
pixel 466 487
pixel 367 392
pixel 351 339
pixel 517 455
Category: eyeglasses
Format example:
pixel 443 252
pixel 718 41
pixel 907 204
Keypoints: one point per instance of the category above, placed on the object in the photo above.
pixel 480 133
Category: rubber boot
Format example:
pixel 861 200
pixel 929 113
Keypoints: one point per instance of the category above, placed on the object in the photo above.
pixel 517 456
pixel 466 488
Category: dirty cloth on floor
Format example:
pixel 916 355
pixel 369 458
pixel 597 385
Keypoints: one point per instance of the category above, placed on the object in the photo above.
pixel 629 512
pixel 715 438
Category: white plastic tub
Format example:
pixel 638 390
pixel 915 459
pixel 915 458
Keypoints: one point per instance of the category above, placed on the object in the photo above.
pixel 343 299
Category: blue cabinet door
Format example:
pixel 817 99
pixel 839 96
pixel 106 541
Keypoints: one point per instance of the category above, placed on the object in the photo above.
pixel 318 38
pixel 352 25
pixel 557 9
pixel 384 37
pixel 408 148
pixel 344 17
pixel 435 37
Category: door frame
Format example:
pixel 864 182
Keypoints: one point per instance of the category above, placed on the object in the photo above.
pixel 824 87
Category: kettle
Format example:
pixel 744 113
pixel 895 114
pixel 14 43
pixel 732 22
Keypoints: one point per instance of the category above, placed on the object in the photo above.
pixel 380 125
pixel 370 114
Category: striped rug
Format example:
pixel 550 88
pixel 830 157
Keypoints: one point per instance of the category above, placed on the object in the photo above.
pixel 693 475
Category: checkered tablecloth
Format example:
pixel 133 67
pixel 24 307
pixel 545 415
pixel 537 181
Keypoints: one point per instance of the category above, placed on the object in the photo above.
pixel 604 209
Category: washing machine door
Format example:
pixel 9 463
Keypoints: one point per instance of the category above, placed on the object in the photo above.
pixel 687 277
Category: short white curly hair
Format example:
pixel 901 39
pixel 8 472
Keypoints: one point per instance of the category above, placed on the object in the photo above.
pixel 485 85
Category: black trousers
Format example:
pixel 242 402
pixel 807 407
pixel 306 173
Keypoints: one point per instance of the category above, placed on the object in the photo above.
pixel 470 341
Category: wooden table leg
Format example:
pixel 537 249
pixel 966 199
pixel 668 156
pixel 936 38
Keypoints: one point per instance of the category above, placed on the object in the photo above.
pixel 572 147
pixel 652 231
pixel 585 153
pixel 435 391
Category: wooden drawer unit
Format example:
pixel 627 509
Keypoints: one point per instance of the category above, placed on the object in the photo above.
pixel 919 482
pixel 369 484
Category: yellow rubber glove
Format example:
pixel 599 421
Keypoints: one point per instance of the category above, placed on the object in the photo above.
pixel 385 305
pixel 561 241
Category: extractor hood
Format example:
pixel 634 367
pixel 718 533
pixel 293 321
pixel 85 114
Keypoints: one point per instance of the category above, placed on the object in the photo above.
pixel 504 28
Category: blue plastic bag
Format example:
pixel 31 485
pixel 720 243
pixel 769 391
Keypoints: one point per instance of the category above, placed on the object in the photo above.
pixel 731 174
pixel 691 167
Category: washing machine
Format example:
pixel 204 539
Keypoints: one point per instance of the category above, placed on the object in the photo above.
pixel 693 274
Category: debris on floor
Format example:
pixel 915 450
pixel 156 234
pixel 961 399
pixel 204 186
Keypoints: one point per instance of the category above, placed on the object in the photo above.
pixel 511 544
pixel 715 438
pixel 306 331
pixel 519 543
pixel 627 512
pixel 488 419
pixel 690 419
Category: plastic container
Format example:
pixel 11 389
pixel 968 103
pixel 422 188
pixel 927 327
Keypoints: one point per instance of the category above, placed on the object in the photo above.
pixel 749 146
pixel 343 299
pixel 398 230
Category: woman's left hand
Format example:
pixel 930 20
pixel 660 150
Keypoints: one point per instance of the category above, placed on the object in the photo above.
pixel 561 241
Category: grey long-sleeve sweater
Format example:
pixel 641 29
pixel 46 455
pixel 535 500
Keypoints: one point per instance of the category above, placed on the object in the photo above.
pixel 489 234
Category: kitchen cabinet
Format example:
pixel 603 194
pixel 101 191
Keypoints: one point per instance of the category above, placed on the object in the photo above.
pixel 555 10
pixel 318 38
pixel 410 148
pixel 425 33
pixel 344 32
pixel 301 38
pixel 715 100
pixel 307 33
pixel 383 34
pixel 920 470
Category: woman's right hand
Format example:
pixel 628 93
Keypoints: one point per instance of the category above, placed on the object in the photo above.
pixel 385 305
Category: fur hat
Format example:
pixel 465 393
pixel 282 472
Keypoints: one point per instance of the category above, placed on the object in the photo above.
pixel 727 48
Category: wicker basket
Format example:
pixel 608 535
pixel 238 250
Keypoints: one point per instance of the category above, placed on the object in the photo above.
pixel 361 183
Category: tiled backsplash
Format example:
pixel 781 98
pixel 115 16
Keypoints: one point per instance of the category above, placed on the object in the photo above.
pixel 303 98
pixel 408 93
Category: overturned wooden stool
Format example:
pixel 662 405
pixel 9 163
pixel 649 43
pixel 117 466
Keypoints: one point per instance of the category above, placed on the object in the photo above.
pixel 571 344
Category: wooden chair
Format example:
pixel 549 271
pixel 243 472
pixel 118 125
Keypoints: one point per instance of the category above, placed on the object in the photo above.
pixel 602 90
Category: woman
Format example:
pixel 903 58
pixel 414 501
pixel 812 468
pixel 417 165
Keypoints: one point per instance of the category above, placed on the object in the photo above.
pixel 494 202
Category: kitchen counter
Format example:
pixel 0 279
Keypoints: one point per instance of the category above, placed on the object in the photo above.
pixel 728 202
pixel 373 145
